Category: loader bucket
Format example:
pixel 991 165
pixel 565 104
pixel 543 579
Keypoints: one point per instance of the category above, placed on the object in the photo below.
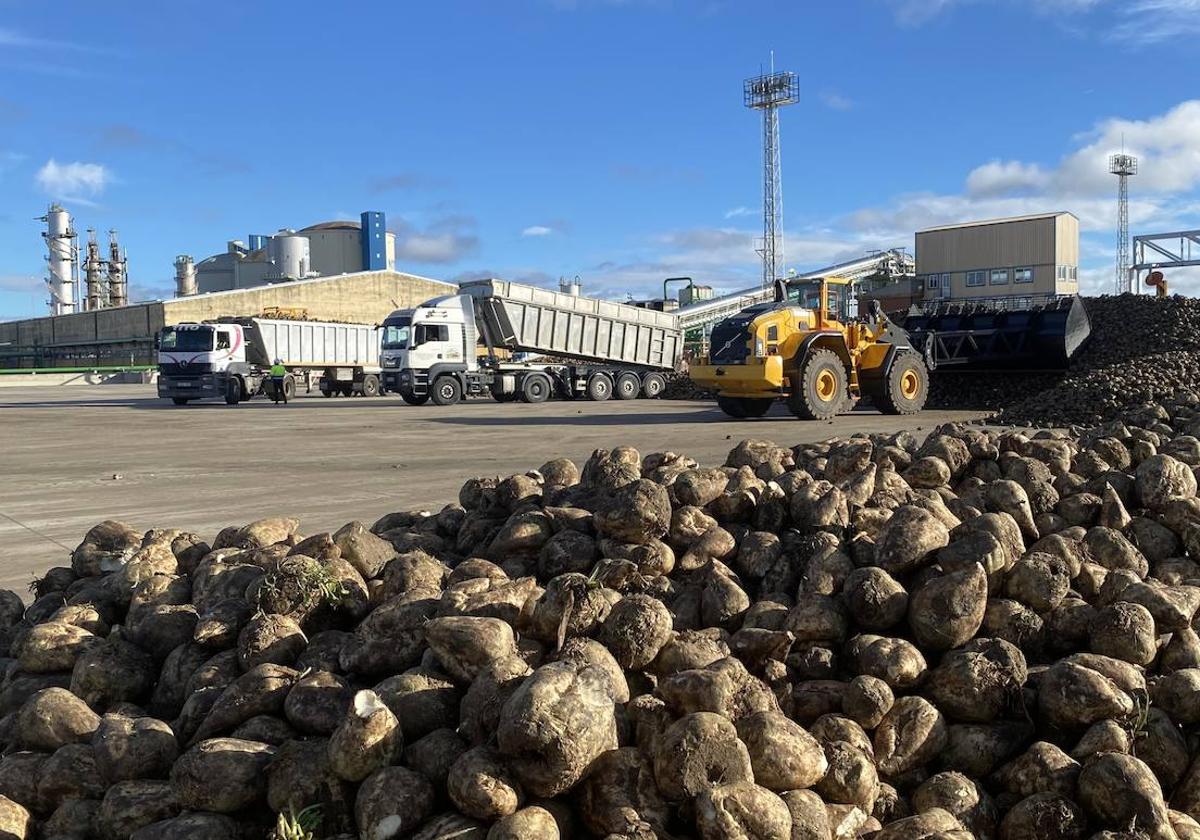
pixel 969 336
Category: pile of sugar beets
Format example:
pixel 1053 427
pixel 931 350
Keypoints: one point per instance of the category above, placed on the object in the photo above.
pixel 983 634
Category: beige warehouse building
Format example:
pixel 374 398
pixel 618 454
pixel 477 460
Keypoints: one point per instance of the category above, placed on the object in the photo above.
pixel 1023 256
pixel 125 335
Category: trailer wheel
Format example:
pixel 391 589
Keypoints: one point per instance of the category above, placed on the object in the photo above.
pixel 446 390
pixel 599 387
pixel 370 385
pixel 627 386
pixel 906 387
pixel 233 392
pixel 819 387
pixel 325 392
pixel 536 388
pixel 653 386
pixel 179 400
pixel 289 387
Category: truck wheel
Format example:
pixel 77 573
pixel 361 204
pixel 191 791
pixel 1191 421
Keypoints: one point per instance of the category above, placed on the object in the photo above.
pixel 289 387
pixel 599 387
pixel 414 399
pixel 325 392
pixel 819 387
pixel 627 386
pixel 179 400
pixel 906 387
pixel 446 390
pixel 233 392
pixel 370 385
pixel 536 388
pixel 653 386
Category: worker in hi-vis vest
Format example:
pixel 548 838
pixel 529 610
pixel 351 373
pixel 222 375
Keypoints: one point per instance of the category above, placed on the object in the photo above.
pixel 278 375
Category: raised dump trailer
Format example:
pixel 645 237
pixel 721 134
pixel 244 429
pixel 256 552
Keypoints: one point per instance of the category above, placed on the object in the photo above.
pixel 231 358
pixel 1005 334
pixel 453 346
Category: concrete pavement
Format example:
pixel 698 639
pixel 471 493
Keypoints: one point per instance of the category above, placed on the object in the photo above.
pixel 326 461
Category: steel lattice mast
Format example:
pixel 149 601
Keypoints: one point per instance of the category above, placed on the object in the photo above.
pixel 768 93
pixel 1123 166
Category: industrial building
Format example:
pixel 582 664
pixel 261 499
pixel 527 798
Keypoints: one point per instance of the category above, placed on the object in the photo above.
pixel 125 335
pixel 320 250
pixel 1021 257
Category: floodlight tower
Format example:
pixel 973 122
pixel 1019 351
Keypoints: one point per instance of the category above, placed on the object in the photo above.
pixel 1123 166
pixel 768 93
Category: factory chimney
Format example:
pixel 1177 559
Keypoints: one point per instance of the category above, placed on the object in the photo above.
pixel 93 282
pixel 185 276
pixel 118 281
pixel 63 260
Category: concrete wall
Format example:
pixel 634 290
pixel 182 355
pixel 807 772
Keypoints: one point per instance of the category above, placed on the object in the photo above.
pixel 1041 243
pixel 365 297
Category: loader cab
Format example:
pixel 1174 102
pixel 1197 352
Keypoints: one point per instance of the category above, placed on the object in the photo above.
pixel 828 297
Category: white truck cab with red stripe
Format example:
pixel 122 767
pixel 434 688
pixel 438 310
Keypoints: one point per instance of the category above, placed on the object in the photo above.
pixel 231 358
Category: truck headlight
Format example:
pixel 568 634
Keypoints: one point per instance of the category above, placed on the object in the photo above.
pixel 759 349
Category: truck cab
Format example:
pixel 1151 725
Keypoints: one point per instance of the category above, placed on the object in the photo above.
pixel 419 345
pixel 194 360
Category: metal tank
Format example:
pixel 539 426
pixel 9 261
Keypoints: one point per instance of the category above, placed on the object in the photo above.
pixel 290 253
pixel 118 279
pixel 570 287
pixel 185 276
pixel 93 280
pixel 60 240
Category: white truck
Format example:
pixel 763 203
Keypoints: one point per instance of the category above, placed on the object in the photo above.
pixel 231 358
pixel 467 345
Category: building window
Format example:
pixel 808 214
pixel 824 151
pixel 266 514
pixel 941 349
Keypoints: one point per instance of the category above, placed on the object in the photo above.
pixel 1074 273
pixel 976 278
pixel 1022 275
pixel 1000 277
pixel 932 280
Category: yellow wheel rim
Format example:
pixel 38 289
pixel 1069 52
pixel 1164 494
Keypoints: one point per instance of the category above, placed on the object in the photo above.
pixel 910 384
pixel 826 386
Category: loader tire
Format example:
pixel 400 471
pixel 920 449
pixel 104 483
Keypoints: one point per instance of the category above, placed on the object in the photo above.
pixel 819 389
pixel 743 407
pixel 905 388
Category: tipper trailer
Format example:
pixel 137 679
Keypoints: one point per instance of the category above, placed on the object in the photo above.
pixel 469 344
pixel 231 358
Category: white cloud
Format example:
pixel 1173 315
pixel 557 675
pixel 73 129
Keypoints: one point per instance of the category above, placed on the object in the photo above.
pixel 738 212
pixel 73 180
pixel 1150 21
pixel 1005 177
pixel 537 230
pixel 445 240
pixel 1129 22
pixel 835 101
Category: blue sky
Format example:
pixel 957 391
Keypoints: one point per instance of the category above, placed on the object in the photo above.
pixel 606 138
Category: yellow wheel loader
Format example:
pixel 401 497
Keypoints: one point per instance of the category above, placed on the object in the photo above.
pixel 805 349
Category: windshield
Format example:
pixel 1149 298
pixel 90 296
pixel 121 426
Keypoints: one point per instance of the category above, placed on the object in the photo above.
pixel 395 336
pixel 191 340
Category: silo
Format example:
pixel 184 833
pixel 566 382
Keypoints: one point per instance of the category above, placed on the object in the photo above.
pixel 185 276
pixel 290 253
pixel 60 240
pixel 570 287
